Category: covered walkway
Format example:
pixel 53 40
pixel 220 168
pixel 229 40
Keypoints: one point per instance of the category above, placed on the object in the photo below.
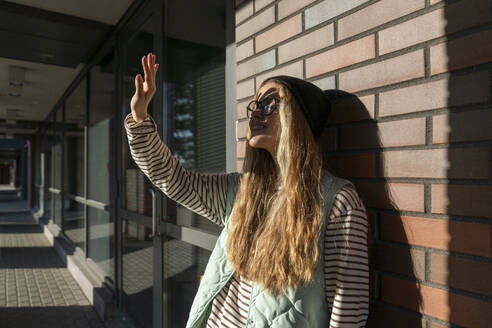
pixel 36 288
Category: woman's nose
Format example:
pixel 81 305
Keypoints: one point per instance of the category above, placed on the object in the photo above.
pixel 257 114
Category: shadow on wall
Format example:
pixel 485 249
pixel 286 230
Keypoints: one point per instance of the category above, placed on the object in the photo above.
pixel 392 259
pixel 464 195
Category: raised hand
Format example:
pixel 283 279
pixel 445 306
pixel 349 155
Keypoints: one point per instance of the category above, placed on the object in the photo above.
pixel 144 90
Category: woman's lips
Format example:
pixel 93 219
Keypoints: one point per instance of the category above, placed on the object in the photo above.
pixel 256 127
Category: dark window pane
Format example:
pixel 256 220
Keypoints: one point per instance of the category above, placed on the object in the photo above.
pixel 136 195
pixel 101 116
pixel 101 240
pixel 75 107
pixel 74 226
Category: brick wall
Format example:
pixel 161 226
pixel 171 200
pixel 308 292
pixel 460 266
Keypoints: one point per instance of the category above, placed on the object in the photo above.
pixel 416 140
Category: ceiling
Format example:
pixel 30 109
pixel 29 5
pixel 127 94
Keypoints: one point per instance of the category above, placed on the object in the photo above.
pixel 51 40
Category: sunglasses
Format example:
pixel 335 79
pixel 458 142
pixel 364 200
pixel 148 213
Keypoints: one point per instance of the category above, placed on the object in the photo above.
pixel 267 106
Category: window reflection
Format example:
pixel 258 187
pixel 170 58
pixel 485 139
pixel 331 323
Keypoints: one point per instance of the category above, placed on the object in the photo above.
pixel 74 173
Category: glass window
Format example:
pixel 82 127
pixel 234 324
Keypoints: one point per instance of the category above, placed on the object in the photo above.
pixel 75 107
pixel 101 116
pixel 195 85
pixel 195 50
pixel 101 120
pixel 74 173
pixel 56 167
pixel 101 240
pixel 136 195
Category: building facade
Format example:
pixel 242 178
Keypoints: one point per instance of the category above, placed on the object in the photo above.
pixel 413 134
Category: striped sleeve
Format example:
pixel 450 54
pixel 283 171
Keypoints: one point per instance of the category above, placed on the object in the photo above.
pixel 203 193
pixel 346 264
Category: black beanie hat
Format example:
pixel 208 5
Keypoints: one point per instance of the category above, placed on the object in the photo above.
pixel 314 102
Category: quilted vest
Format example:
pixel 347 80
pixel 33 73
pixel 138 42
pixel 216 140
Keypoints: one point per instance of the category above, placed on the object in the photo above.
pixel 305 306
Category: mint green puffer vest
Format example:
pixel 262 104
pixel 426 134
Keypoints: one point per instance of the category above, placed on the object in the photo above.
pixel 305 306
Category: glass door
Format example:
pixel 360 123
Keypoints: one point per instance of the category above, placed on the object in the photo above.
pixel 141 282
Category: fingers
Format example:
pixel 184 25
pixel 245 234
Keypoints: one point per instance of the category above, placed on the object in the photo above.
pixel 139 85
pixel 145 68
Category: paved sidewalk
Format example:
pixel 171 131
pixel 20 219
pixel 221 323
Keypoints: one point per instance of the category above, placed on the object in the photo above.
pixel 36 289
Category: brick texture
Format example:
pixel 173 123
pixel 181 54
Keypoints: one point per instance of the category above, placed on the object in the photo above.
pixel 279 33
pixel 256 65
pixel 455 91
pixel 294 69
pixel 328 9
pixel 445 57
pixel 260 4
pixel 287 7
pixel 461 127
pixel 458 309
pixel 306 44
pixel 403 196
pixel 391 134
pixel 245 50
pixel 438 233
pixel 468 163
pixel 256 24
pixel 394 70
pixel 376 14
pixel 411 130
pixel 462 199
pixel 346 55
pixel 461 273
pixel 435 24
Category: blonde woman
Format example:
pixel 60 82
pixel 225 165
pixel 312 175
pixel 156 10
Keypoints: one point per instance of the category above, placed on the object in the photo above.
pixel 293 248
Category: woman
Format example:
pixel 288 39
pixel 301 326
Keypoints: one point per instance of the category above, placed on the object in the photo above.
pixel 293 250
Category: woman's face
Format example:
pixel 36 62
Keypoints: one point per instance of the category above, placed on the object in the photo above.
pixel 264 130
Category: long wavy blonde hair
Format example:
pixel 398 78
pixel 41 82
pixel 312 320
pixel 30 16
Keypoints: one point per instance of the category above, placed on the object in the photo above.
pixel 277 217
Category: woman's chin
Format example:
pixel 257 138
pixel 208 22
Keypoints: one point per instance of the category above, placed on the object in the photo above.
pixel 257 141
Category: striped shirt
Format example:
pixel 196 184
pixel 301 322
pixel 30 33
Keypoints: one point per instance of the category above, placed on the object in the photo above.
pixel 345 264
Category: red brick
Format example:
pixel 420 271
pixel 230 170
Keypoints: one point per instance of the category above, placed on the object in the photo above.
pixel 243 12
pixel 260 4
pixel 384 315
pixel 295 69
pixel 255 24
pixel 245 89
pixel 456 236
pixel 241 109
pixel 409 132
pixel 287 7
pixel 239 165
pixel 458 309
pixel 401 260
pixel 395 196
pixel 352 109
pixel 461 273
pixel 348 54
pixel 437 23
pixel 472 200
pixel 445 57
pixel 240 149
pixel 256 65
pixel 454 163
pixel 242 129
pixel 376 14
pixel 245 50
pixel 463 126
pixel 460 90
pixel 326 10
pixel 279 33
pixel 352 165
pixel 398 69
pixel 306 44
